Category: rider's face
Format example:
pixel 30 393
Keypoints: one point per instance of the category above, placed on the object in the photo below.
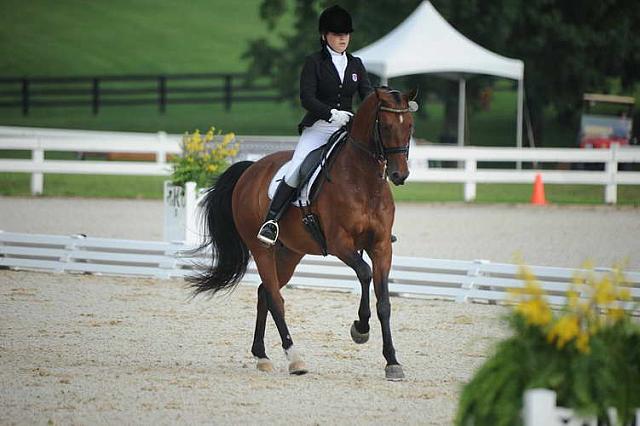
pixel 338 41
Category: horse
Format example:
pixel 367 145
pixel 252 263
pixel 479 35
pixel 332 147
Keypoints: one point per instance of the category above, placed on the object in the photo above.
pixel 356 210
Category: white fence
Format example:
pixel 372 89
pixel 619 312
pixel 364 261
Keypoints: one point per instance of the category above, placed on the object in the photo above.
pixel 462 281
pixel 38 141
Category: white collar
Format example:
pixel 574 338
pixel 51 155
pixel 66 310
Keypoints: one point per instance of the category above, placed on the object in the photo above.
pixel 336 54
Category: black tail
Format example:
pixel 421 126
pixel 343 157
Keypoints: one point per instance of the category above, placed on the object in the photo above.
pixel 230 255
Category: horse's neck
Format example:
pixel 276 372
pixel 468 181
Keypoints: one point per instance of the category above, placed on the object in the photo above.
pixel 355 167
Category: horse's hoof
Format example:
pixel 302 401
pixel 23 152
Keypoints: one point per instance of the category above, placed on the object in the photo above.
pixel 298 368
pixel 264 364
pixel 394 373
pixel 358 337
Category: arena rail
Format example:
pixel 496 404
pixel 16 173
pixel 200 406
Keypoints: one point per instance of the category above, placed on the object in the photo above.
pixel 38 141
pixel 463 281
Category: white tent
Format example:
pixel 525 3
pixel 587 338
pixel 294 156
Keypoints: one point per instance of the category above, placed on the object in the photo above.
pixel 426 43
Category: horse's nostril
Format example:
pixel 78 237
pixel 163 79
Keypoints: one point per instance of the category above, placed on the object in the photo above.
pixel 395 175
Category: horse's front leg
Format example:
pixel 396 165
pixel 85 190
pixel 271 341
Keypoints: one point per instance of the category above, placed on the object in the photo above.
pixel 381 257
pixel 360 327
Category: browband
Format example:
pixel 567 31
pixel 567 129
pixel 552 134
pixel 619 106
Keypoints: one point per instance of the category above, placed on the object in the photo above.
pixel 413 107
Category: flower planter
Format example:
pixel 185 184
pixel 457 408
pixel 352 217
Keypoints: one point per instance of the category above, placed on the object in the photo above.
pixel 181 213
pixel 540 409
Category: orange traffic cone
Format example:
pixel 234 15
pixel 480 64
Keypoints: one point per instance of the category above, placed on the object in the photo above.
pixel 538 192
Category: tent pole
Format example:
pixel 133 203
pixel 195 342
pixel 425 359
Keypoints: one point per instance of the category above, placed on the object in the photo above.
pixel 384 81
pixel 462 88
pixel 519 120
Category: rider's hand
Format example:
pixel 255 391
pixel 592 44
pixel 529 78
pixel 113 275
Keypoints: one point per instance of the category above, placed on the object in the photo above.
pixel 340 118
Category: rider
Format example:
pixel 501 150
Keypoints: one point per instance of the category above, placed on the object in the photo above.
pixel 328 81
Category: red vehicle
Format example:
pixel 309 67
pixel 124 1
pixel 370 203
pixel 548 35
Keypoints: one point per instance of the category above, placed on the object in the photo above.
pixel 606 119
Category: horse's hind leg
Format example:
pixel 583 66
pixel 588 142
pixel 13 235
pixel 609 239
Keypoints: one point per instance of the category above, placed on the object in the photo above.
pixel 275 267
pixel 360 327
pixel 258 350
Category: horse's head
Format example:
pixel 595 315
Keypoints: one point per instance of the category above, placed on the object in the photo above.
pixel 389 126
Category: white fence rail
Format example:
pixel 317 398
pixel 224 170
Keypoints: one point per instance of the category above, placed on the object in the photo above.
pixel 462 281
pixel 471 175
pixel 38 141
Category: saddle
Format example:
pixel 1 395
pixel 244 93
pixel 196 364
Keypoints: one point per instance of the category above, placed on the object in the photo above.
pixel 314 171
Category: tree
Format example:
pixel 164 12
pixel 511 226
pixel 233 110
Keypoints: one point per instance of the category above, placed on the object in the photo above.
pixel 568 47
pixel 571 48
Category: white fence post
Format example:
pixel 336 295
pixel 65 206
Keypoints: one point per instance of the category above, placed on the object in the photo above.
pixel 161 154
pixel 470 167
pixel 37 179
pixel 469 283
pixel 539 408
pixel 611 168
pixel 192 234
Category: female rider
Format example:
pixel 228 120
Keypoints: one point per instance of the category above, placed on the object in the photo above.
pixel 328 81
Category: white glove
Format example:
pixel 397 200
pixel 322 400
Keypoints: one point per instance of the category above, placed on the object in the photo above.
pixel 340 118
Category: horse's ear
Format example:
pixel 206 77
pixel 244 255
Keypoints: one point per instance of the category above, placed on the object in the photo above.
pixel 411 94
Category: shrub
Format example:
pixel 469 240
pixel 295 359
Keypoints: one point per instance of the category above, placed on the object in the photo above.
pixel 588 352
pixel 203 158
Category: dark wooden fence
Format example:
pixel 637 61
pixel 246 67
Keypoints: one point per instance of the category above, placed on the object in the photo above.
pixel 125 90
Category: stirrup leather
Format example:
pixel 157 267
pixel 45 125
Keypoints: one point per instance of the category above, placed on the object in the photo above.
pixel 266 239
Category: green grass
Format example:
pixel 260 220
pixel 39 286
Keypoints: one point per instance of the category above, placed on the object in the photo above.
pixel 150 187
pixel 244 118
pixel 75 37
pixel 514 193
pixel 62 185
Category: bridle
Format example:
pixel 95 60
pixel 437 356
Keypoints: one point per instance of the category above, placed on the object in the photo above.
pixel 380 152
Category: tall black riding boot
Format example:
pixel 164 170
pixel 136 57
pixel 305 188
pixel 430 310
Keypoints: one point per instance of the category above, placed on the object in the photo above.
pixel 281 199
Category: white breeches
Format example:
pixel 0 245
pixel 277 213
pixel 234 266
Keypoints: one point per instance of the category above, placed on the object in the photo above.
pixel 311 138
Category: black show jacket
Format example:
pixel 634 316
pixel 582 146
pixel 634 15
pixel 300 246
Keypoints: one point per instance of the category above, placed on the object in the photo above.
pixel 321 89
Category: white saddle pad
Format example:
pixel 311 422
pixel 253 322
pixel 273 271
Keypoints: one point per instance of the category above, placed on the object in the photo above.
pixel 305 192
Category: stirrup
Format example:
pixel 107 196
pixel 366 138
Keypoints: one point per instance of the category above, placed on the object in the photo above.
pixel 266 239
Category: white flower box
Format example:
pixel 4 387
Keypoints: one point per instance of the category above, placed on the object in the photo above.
pixel 181 213
pixel 540 410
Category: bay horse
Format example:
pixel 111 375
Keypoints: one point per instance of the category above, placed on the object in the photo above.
pixel 355 208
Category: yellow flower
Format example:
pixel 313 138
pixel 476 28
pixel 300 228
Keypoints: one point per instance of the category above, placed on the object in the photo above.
pixel 535 311
pixel 604 293
pixel 624 294
pixel 582 343
pixel 564 330
pixel 526 275
pixel 572 299
pixel 202 155
pixel 530 300
pixel 615 314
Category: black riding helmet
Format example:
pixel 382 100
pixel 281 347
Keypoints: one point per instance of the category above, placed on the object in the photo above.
pixel 336 20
